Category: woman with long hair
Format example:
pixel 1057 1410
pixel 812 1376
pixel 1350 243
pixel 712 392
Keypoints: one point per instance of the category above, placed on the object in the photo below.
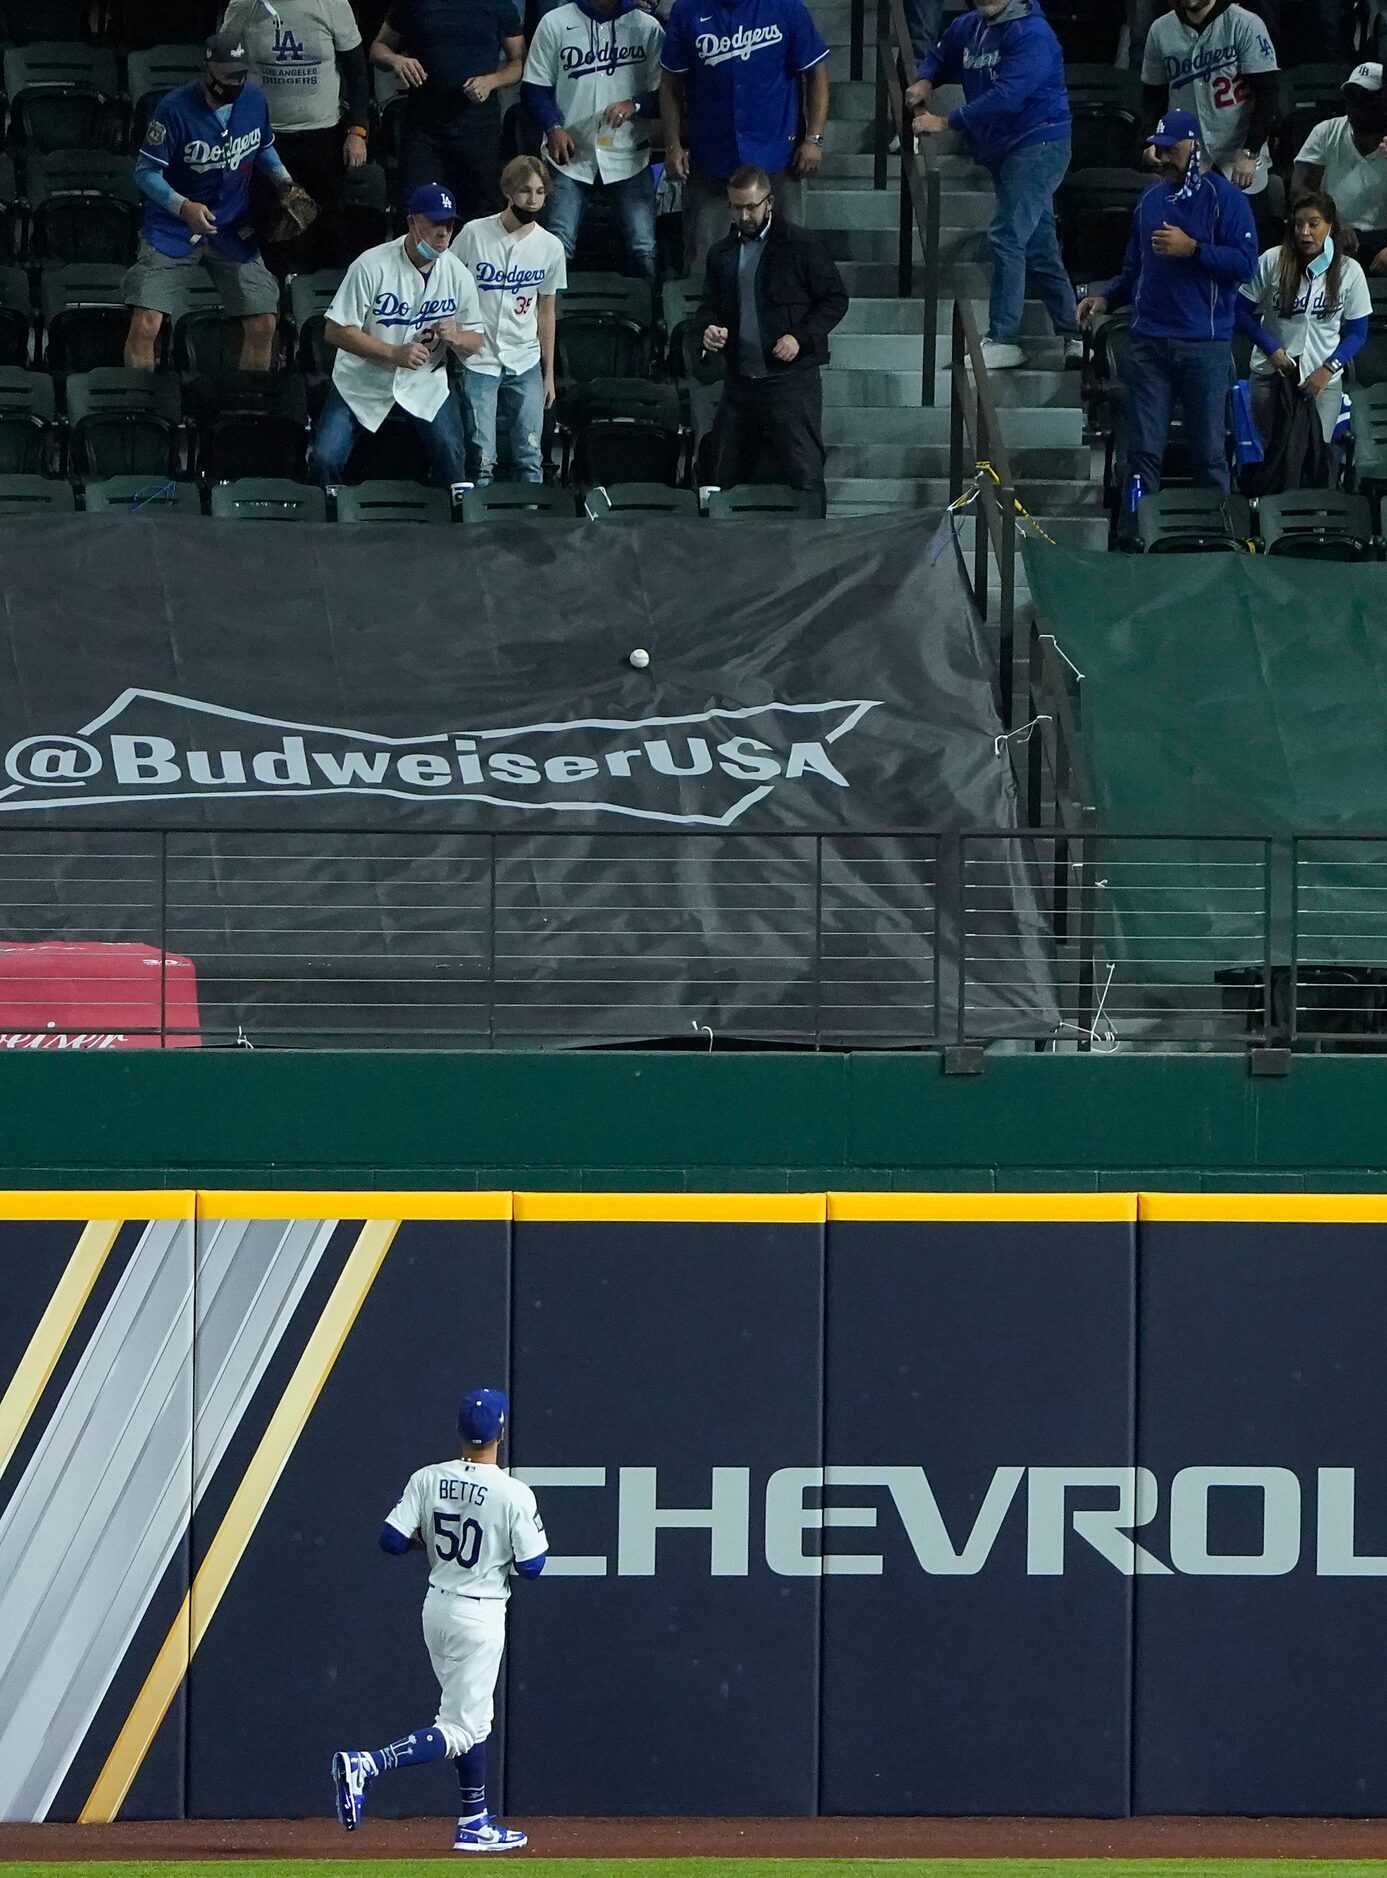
pixel 1306 311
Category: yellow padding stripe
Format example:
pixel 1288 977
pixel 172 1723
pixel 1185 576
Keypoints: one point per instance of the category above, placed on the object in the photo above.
pixel 242 1517
pixel 396 1206
pixel 1268 1209
pixel 704 1209
pixel 158 1203
pixel 1001 1208
pixel 52 1332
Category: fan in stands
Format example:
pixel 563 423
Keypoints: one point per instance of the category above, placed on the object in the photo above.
pixel 194 169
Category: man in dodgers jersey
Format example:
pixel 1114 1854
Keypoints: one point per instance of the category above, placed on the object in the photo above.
pixel 593 69
pixel 194 170
pixel 399 310
pixel 480 1528
pixel 1216 59
pixel 518 267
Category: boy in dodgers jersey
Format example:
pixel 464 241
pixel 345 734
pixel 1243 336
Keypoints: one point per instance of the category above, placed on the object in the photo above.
pixel 518 267
pixel 398 310
pixel 479 1527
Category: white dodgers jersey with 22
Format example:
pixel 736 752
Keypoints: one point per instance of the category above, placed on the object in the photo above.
pixel 1204 70
pixel 474 1520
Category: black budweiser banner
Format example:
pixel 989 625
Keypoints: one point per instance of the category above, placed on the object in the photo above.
pixel 312 690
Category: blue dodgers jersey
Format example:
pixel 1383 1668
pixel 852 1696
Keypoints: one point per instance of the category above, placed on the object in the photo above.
pixel 206 163
pixel 741 63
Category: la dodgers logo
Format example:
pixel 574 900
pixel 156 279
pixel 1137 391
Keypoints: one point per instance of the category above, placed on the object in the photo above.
pixel 389 309
pixel 198 154
pixel 493 279
pixel 718 48
pixel 578 60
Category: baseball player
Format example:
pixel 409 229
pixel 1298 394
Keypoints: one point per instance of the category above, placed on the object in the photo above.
pixel 398 311
pixel 194 170
pixel 1216 59
pixel 480 1528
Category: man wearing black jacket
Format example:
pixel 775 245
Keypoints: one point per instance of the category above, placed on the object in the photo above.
pixel 771 297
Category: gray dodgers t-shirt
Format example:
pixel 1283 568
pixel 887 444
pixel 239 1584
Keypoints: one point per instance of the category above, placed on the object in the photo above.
pixel 293 47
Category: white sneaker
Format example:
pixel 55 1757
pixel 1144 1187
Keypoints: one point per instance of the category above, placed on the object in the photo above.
pixel 484 1835
pixel 1073 354
pixel 998 356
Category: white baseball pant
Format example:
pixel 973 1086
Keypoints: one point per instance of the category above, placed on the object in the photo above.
pixel 465 1637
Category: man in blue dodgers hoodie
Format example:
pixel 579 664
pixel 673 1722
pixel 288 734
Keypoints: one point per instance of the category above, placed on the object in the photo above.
pixel 593 69
pixel 1015 116
pixel 1192 246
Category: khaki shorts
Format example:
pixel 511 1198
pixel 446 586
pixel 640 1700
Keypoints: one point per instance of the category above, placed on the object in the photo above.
pixel 159 283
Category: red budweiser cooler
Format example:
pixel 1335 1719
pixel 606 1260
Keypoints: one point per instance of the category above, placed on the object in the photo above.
pixel 63 995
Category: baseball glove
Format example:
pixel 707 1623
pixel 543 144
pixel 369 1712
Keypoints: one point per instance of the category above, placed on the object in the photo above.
pixel 297 212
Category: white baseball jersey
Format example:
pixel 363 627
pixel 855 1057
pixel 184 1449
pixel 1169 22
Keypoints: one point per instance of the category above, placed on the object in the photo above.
pixel 389 298
pixel 293 45
pixel 591 64
pixel 1204 70
pixel 1357 183
pixel 511 272
pixel 1311 331
pixel 475 1521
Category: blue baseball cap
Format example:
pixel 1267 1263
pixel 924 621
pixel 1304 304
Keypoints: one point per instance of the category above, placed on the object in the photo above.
pixel 1175 127
pixel 484 1412
pixel 433 200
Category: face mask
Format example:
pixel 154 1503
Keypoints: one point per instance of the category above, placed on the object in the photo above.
pixel 1322 261
pixel 523 215
pixel 223 94
pixel 426 253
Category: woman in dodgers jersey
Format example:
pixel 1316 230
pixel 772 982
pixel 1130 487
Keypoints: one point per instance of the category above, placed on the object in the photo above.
pixel 479 1527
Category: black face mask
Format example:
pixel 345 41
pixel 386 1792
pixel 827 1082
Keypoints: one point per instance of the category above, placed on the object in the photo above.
pixel 223 94
pixel 523 215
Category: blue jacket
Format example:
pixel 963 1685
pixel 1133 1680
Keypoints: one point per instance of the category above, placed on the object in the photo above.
pixel 1012 73
pixel 1193 296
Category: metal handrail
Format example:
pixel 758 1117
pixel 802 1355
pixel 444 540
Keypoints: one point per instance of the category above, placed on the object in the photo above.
pixel 920 185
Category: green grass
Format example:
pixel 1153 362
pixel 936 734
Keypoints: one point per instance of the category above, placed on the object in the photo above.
pixel 734 1868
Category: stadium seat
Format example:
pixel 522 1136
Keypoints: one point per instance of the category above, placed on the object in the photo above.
pixel 533 500
pixel 248 424
pixel 1106 106
pixel 35 495
pixel 16 317
pixel 206 341
pixel 632 500
pixel 1194 521
pixel 1087 30
pixel 142 495
pixel 63 97
pixel 28 432
pixel 1370 366
pixel 309 296
pixel 752 499
pixel 265 499
pixel 1318 85
pixel 602 342
pixel 1368 431
pixel 365 212
pixel 13 225
pixel 85 318
pixel 23 22
pixel 624 430
pixel 1095 215
pixel 393 502
pixel 151 75
pixel 83 206
pixel 1317 525
pixel 123 423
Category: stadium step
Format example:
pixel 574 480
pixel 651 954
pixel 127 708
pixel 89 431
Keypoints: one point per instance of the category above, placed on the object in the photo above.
pixel 832 207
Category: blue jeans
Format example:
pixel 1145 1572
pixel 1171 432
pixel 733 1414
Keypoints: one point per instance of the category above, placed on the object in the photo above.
pixel 1025 242
pixel 1196 372
pixel 517 399
pixel 634 201
pixel 337 432
pixel 924 18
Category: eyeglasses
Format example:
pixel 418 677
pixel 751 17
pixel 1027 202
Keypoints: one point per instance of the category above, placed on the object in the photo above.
pixel 746 207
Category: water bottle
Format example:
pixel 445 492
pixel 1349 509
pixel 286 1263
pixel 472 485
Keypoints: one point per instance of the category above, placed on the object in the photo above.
pixel 1134 495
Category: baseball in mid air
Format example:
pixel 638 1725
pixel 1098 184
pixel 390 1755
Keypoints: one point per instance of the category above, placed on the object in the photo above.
pixel 640 658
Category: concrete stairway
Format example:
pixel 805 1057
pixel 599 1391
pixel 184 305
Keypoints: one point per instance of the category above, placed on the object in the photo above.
pixel 886 451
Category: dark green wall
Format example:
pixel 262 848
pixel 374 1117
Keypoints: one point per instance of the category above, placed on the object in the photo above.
pixel 627 1120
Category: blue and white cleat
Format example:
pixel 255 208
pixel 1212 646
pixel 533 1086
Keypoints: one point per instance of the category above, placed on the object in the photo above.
pixel 350 1779
pixel 484 1835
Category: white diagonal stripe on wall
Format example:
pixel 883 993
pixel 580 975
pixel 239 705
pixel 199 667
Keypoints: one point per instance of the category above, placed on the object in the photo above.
pixel 105 1502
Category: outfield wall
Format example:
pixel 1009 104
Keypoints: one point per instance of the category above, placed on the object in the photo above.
pixel 860 1503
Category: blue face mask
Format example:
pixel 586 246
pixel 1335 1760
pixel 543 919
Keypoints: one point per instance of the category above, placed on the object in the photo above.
pixel 426 253
pixel 1322 262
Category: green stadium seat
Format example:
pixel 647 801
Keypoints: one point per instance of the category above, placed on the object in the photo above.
pixel 1317 525
pixel 35 495
pixel 142 495
pixel 268 499
pixel 1107 110
pixel 632 500
pixel 603 328
pixel 63 97
pixel 123 423
pixel 28 437
pixel 85 318
pixel 83 206
pixel 623 430
pixel 1194 521
pixel 151 75
pixel 1368 430
pixel 749 500
pixel 1095 210
pixel 531 500
pixel 307 299
pixel 16 316
pixel 393 502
